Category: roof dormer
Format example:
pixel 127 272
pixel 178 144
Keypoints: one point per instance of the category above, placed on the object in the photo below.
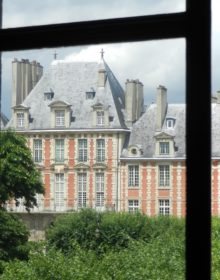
pixel 164 146
pixel 135 151
pixel 100 115
pixel 21 116
pixel 60 114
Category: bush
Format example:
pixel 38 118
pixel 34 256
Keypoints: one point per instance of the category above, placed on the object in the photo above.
pixel 13 238
pixel 102 232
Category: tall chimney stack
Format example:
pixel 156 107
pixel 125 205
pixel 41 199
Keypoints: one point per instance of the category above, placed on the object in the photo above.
pixel 161 106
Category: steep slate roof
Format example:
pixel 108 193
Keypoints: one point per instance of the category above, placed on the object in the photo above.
pixel 144 131
pixel 3 120
pixel 69 81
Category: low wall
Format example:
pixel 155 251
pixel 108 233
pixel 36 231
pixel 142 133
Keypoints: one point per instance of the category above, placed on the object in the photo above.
pixel 37 223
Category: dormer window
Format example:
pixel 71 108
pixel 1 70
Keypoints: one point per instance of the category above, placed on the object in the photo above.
pixel 60 118
pixel 100 118
pixel 60 114
pixel 164 148
pixel 170 123
pixel 48 95
pixel 90 94
pixel 20 120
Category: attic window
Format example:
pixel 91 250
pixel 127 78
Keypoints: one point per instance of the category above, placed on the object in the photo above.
pixel 134 151
pixel 48 95
pixel 90 94
pixel 111 119
pixel 170 122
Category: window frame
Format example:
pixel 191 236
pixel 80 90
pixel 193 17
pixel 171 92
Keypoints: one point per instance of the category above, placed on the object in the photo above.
pixel 83 150
pixel 164 176
pixel 162 209
pixel 133 176
pixel 100 189
pixel 38 150
pixel 100 150
pixel 81 190
pixel 133 208
pixel 59 190
pixel 20 120
pixel 164 148
pixel 60 150
pixel 59 120
pixel 195 26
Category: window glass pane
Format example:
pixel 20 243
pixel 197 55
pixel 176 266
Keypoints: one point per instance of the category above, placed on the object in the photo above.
pixel 100 170
pixel 26 12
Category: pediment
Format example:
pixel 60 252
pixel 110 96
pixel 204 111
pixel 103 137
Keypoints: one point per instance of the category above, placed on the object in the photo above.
pixel 59 103
pixel 20 107
pixel 163 135
pixel 100 165
pixel 81 166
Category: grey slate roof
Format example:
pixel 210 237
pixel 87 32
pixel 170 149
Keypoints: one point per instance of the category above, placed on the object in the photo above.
pixel 3 120
pixel 69 81
pixel 144 130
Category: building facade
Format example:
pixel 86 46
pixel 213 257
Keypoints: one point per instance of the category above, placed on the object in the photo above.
pixel 97 146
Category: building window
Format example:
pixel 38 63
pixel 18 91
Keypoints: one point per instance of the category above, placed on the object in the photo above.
pixel 37 150
pixel 100 150
pixel 59 190
pixel 100 117
pixel 20 120
pixel 133 176
pixel 82 150
pixel 59 150
pixel 164 175
pixel 164 207
pixel 170 123
pixel 81 190
pixel 133 206
pixel 99 189
pixel 60 118
pixel 164 148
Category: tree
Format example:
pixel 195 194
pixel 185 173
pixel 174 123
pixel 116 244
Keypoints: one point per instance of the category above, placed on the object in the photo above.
pixel 19 177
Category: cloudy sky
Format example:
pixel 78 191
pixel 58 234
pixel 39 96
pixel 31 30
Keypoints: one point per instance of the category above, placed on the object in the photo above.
pixel 153 63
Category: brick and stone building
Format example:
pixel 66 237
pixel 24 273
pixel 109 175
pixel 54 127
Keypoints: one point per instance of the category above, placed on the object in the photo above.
pixel 98 146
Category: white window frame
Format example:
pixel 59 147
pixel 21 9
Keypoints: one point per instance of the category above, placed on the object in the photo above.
pixel 164 148
pixel 59 150
pixel 38 151
pixel 100 189
pixel 170 123
pixel 164 175
pixel 59 190
pixel 100 150
pixel 100 118
pixel 133 205
pixel 164 207
pixel 82 190
pixel 59 118
pixel 82 150
pixel 20 119
pixel 133 176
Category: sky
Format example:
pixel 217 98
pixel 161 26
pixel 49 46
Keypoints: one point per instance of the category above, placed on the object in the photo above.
pixel 154 63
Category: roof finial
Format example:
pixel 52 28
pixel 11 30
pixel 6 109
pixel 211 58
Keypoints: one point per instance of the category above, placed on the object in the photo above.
pixel 102 54
pixel 55 55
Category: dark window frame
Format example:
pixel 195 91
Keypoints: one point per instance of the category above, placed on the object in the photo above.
pixel 195 26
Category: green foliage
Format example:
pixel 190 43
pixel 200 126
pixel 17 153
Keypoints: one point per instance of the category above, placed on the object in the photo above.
pixel 13 238
pixel 18 174
pixel 215 248
pixel 102 232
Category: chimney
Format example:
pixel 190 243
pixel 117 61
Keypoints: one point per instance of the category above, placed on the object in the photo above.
pixel 24 78
pixel 101 77
pixel 161 106
pixel 140 99
pixel 130 101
